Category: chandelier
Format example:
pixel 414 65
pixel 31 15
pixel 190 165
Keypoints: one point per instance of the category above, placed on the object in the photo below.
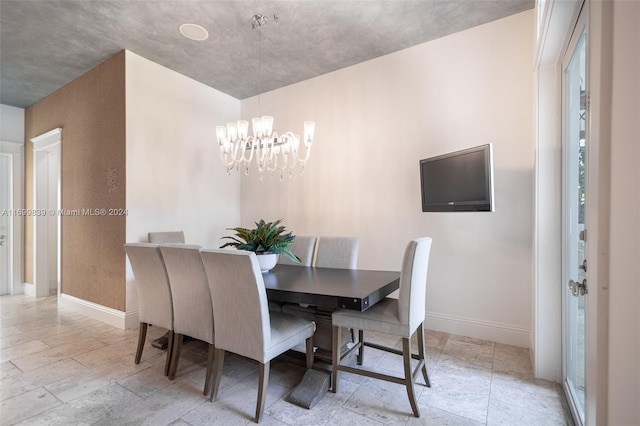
pixel 272 152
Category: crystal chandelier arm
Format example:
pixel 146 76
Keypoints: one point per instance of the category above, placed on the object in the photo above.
pixel 226 147
pixel 309 130
pixel 272 163
pixel 297 149
pixel 304 159
pixel 290 153
pixel 248 145
pixel 264 148
pixel 228 162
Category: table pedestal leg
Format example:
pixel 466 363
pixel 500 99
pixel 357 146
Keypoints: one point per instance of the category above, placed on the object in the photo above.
pixel 323 335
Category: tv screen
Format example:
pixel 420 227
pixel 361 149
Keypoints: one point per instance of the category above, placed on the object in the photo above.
pixel 460 181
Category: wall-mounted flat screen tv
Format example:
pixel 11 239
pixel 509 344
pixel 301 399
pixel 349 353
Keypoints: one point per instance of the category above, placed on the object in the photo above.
pixel 460 181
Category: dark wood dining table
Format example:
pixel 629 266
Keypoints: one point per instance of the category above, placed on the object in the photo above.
pixel 315 293
pixel 321 291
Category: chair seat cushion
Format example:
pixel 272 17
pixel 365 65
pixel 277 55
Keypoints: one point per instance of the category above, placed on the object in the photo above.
pixel 286 332
pixel 381 317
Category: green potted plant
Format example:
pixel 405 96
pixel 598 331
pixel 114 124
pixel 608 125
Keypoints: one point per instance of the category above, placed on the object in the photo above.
pixel 267 240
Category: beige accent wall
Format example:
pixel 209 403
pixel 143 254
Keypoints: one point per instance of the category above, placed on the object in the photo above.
pixel 91 112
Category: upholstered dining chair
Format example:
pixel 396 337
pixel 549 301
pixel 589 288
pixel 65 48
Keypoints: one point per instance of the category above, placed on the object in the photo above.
pixel 243 324
pixel 304 247
pixel 337 252
pixel 166 237
pixel 154 294
pixel 332 252
pixel 399 317
pixel 192 307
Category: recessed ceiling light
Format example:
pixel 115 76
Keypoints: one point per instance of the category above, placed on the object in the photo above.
pixel 194 32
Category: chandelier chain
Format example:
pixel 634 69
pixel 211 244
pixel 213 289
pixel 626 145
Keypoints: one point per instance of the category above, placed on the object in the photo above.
pixel 260 63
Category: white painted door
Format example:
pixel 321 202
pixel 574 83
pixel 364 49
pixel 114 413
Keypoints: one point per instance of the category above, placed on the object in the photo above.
pixel 46 202
pixel 575 265
pixel 6 215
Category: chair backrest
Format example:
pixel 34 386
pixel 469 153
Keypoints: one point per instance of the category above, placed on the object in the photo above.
pixel 152 283
pixel 240 302
pixel 413 283
pixel 337 252
pixel 166 237
pixel 192 307
pixel 304 247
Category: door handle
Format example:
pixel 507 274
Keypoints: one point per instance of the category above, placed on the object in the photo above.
pixel 577 288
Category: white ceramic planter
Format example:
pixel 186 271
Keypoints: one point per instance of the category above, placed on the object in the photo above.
pixel 267 261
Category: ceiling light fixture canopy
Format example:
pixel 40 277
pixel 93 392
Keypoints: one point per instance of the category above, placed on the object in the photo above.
pixel 273 152
pixel 194 32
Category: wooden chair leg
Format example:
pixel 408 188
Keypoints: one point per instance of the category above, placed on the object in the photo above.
pixel 309 343
pixel 217 373
pixel 142 335
pixel 262 390
pixel 408 375
pixel 207 380
pixel 175 355
pixel 167 363
pixel 335 358
pixel 360 356
pixel 422 356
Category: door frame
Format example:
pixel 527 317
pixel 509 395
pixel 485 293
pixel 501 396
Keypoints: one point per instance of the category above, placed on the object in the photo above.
pixel 49 143
pixel 556 20
pixel 16 152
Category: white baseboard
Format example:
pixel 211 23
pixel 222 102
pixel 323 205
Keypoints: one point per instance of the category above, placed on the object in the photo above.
pixel 29 289
pixel 105 314
pixel 18 287
pixel 485 330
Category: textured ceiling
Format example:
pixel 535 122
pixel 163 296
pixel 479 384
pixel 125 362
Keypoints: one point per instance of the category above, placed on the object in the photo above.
pixel 44 44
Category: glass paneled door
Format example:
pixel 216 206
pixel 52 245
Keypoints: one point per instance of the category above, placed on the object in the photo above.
pixel 574 211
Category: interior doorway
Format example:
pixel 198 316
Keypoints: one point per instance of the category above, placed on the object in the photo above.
pixel 11 217
pixel 46 209
pixel 6 223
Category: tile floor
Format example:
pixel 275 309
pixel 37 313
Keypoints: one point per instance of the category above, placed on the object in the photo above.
pixel 60 367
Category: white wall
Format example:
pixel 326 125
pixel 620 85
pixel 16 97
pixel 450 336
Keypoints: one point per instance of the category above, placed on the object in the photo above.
pixel 374 122
pixel 175 180
pixel 11 124
pixel 624 316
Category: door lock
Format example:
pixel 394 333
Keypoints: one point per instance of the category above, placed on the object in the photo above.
pixel 584 265
pixel 578 288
